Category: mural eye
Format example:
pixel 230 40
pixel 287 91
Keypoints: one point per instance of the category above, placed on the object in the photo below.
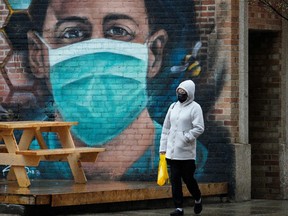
pixel 73 33
pixel 120 33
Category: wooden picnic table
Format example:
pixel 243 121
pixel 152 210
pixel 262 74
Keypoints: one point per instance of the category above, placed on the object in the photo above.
pixel 19 155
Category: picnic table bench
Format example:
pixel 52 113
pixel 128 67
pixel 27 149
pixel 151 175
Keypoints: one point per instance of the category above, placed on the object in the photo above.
pixel 19 155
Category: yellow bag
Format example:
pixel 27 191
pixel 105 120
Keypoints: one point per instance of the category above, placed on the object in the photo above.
pixel 163 176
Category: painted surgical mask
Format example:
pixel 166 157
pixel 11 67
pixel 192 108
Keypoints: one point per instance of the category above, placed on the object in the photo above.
pixel 100 83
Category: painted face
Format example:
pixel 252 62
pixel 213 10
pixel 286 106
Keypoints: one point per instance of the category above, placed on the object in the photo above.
pixel 95 75
pixel 68 22
pixel 96 59
pixel 71 21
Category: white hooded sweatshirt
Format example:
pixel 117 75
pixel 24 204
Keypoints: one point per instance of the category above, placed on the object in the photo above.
pixel 182 125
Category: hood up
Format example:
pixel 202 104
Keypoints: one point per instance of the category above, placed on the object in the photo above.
pixel 189 87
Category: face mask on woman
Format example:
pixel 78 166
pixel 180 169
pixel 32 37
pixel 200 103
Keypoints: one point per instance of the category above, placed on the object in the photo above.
pixel 182 97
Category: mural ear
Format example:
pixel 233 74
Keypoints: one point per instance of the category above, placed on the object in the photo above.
pixel 37 55
pixel 156 44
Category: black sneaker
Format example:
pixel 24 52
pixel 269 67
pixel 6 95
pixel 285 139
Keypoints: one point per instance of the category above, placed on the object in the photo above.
pixel 177 212
pixel 198 207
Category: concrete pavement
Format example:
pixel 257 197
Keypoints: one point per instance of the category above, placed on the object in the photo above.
pixel 254 207
pixel 210 208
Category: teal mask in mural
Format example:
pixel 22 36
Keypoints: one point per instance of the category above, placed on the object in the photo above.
pixel 100 83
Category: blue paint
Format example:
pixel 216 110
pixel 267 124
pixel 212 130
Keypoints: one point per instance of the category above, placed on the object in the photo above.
pixel 19 4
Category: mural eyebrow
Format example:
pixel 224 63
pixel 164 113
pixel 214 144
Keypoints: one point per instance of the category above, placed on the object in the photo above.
pixel 83 20
pixel 110 17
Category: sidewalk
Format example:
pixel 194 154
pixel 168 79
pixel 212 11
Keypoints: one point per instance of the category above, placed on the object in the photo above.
pixel 254 207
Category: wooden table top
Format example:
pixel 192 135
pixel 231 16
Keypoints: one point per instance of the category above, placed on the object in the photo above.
pixel 33 124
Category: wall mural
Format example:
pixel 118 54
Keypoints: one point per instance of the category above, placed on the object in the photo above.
pixel 111 66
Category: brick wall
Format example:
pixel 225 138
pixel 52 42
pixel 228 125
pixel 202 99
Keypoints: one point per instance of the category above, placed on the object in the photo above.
pixel 23 94
pixel 262 18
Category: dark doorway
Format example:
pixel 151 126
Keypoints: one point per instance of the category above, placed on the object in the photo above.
pixel 265 112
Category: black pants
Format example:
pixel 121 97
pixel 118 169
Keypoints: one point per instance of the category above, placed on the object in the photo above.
pixel 183 169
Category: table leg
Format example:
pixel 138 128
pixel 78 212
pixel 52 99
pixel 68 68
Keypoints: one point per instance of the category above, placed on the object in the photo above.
pixel 76 168
pixel 21 176
pixel 16 172
pixel 40 139
pixel 66 141
pixel 11 175
pixel 65 137
pixel 10 142
pixel 26 139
